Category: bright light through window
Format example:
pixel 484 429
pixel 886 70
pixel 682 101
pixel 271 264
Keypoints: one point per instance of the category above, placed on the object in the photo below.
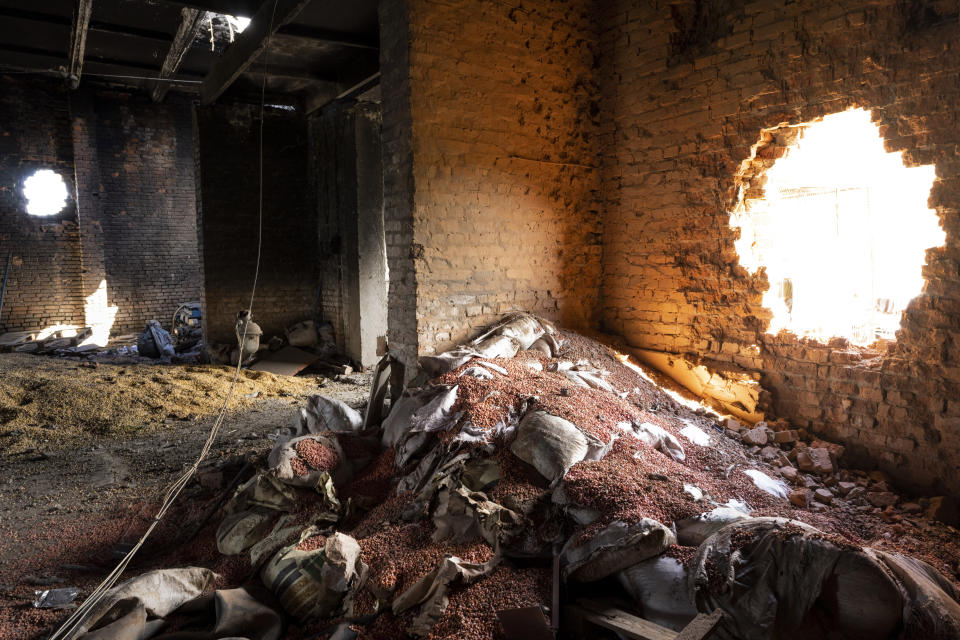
pixel 842 229
pixel 45 192
pixel 238 24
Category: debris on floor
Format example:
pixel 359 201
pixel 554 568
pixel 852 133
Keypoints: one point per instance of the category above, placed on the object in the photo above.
pixel 44 398
pixel 534 469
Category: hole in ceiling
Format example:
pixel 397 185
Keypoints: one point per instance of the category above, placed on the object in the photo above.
pixel 841 227
pixel 46 193
pixel 238 23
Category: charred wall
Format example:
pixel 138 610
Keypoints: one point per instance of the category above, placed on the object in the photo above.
pixel 130 221
pixel 686 95
pixel 228 166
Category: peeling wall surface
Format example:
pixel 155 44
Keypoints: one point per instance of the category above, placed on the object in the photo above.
pixel 687 89
pixel 229 169
pixel 128 163
pixel 504 178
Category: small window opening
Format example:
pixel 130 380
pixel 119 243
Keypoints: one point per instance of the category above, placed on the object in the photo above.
pixel 842 228
pixel 46 193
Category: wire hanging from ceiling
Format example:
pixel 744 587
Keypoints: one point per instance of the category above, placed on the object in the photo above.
pixel 73 624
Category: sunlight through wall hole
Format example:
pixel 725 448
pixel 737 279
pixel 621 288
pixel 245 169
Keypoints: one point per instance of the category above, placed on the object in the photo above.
pixel 45 192
pixel 842 228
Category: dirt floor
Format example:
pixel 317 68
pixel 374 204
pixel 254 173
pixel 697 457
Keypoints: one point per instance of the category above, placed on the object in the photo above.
pixel 88 451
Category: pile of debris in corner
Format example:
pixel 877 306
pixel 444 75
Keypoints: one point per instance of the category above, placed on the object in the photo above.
pixel 531 482
pixel 306 345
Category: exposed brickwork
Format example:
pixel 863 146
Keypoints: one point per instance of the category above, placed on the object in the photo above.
pixel 504 214
pixel 398 191
pixel 147 198
pixel 132 165
pixel 504 111
pixel 229 185
pixel 686 95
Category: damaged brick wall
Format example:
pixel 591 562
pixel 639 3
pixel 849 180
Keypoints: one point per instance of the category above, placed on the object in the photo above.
pixel 43 287
pixel 397 143
pixel 147 201
pixel 129 162
pixel 228 166
pixel 687 93
pixel 504 212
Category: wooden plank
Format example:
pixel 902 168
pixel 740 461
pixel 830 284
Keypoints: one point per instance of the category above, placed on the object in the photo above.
pixel 629 625
pixel 329 36
pixel 236 8
pixel 288 361
pixel 702 626
pixel 248 46
pixel 78 40
pixel 190 21
pixel 525 623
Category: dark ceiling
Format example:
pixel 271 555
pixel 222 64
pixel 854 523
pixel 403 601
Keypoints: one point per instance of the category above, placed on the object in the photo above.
pixel 316 50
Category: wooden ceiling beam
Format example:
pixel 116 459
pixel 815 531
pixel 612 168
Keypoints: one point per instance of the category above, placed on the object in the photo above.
pixel 190 22
pixel 78 41
pixel 248 46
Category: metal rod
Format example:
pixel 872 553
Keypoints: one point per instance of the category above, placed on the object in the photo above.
pixel 3 287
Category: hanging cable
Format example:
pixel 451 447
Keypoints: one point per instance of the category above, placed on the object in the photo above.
pixel 73 624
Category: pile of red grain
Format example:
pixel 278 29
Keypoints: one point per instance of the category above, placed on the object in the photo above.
pixel 317 456
pixel 401 554
pixel 312 543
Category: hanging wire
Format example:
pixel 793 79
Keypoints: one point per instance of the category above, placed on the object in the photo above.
pixel 73 624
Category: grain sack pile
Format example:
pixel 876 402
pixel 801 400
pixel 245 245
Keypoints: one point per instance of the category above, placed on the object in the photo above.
pixel 531 448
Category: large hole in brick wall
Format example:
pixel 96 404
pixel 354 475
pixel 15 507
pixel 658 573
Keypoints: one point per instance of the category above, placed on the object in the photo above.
pixel 45 192
pixel 840 225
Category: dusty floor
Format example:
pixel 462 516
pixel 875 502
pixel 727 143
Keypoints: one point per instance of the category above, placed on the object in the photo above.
pixel 72 493
pixel 86 453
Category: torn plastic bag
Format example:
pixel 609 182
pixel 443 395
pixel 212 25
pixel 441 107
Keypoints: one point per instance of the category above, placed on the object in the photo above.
pixel 499 346
pixel 262 490
pixel 524 328
pixel 436 414
pixel 319 583
pixel 932 603
pixel 379 388
pixel 55 598
pixel 547 345
pixel 126 620
pixel 285 531
pixel 656 437
pixel 302 334
pixel 397 423
pixel 462 515
pixel 231 613
pixel 155 342
pixel 160 592
pixel 614 548
pixel 779 578
pixel 695 434
pixel 551 444
pixel 659 585
pixel 501 340
pixel 431 591
pixel 767 484
pixel 480 373
pixel 303 461
pixel 326 414
pixel 588 379
pixel 240 531
pixel 580 515
pixel 437 365
pixel 691 532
